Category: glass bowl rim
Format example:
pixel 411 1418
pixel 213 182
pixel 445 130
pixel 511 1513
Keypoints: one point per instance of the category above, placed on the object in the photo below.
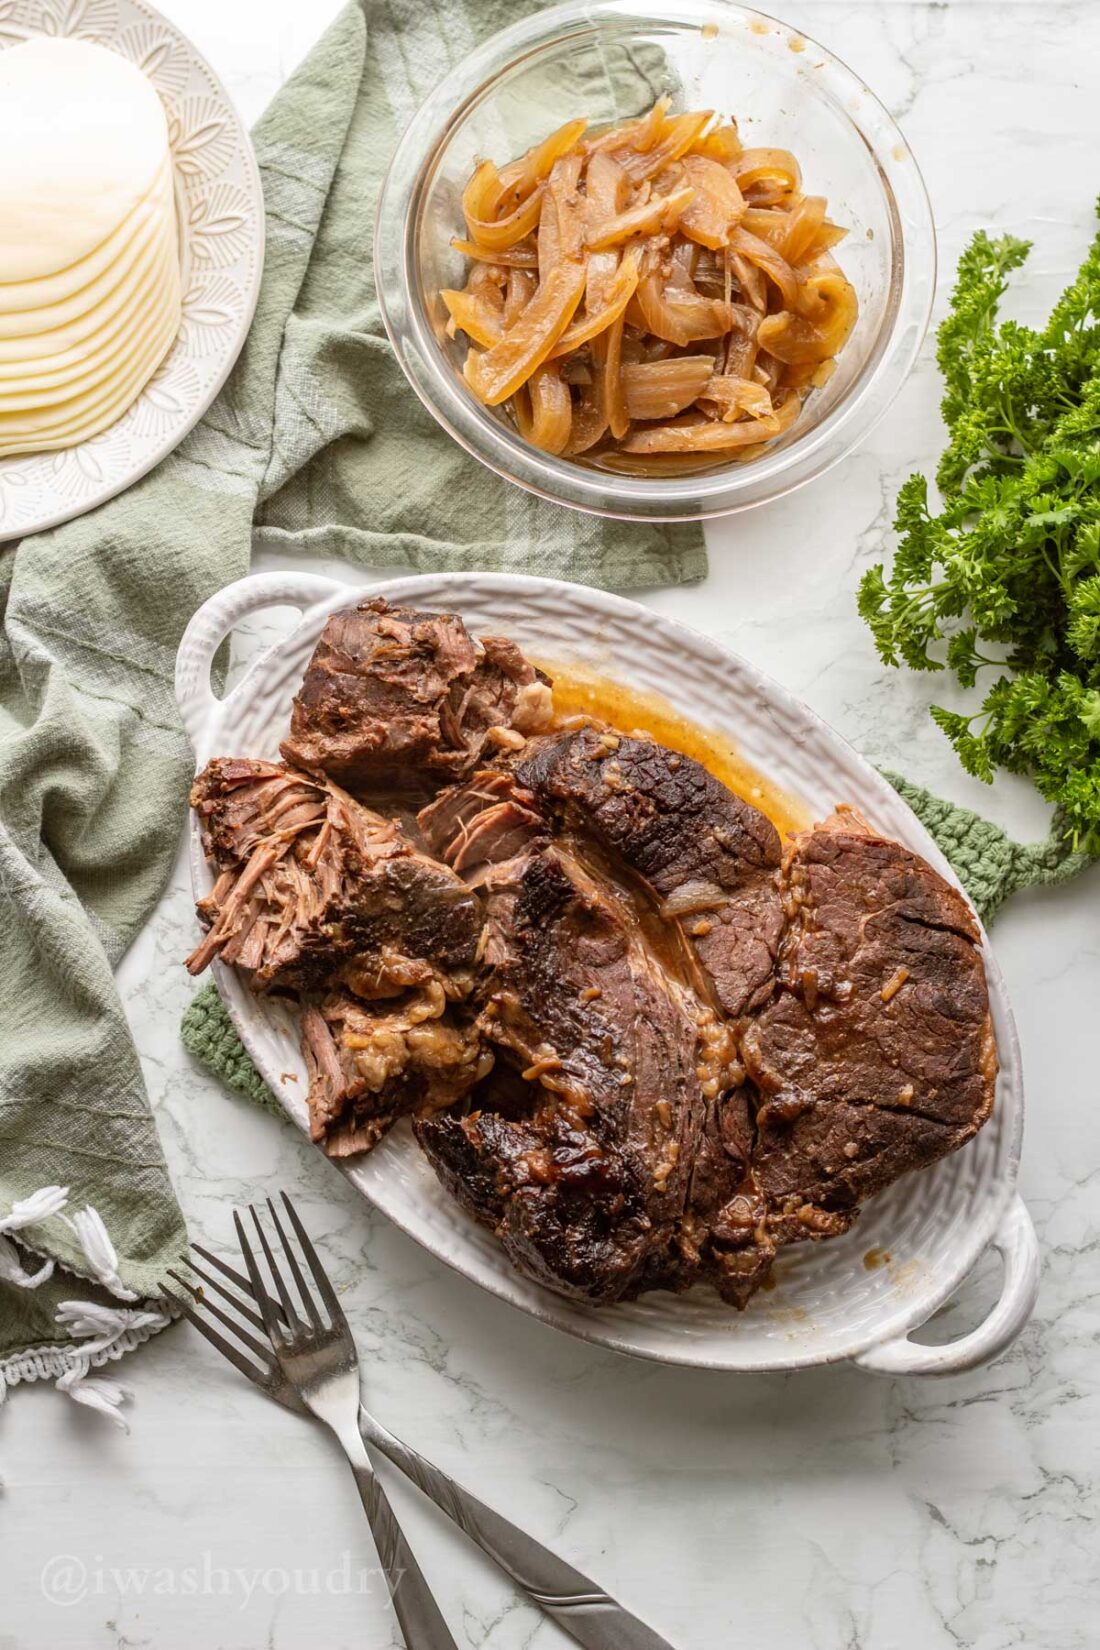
pixel 724 489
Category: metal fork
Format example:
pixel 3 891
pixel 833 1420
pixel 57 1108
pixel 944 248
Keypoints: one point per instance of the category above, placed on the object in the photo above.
pixel 590 1615
pixel 320 1362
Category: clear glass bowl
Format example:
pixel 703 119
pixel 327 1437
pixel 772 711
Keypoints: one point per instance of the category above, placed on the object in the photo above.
pixel 609 61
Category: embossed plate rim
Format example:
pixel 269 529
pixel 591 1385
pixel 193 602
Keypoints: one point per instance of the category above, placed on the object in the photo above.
pixel 44 489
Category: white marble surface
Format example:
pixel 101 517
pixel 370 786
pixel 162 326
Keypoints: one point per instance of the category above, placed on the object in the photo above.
pixel 827 1511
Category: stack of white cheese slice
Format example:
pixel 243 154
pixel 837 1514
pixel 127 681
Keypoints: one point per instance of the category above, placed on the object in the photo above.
pixel 89 260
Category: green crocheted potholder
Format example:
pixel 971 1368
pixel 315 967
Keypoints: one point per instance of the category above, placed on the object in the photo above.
pixel 209 1034
pixel 988 863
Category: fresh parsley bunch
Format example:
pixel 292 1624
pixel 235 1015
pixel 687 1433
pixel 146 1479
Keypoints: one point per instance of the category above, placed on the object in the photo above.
pixel 1004 576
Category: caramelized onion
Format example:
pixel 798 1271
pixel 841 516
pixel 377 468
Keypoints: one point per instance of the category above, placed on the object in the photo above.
pixel 661 389
pixel 590 415
pixel 606 188
pixel 651 296
pixel 717 206
pixel 732 396
pixel 521 288
pixel 765 174
pixel 610 355
pixel 616 293
pixel 560 229
pixel 828 315
pixel 793 234
pixel 512 257
pixel 769 260
pixel 472 315
pixel 750 278
pixel 659 215
pixel 721 143
pixel 640 134
pixel 566 204
pixel 693 898
pixel 677 135
pixel 679 316
pixel 703 436
pixel 498 373
pixel 547 421
pixel 521 177
pixel 480 200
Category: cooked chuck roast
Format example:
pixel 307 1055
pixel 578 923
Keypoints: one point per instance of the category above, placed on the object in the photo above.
pixel 315 890
pixel 311 881
pixel 639 1040
pixel 591 1183
pixel 724 1236
pixel 588 1186
pixel 707 857
pixel 876 1054
pixel 393 698
pixel 372 1063
pixel 482 822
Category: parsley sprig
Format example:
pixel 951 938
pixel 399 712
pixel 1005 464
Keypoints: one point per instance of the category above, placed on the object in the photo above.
pixel 1003 576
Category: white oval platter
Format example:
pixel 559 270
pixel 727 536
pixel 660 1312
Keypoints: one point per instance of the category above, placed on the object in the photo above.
pixel 220 215
pixel 827 1304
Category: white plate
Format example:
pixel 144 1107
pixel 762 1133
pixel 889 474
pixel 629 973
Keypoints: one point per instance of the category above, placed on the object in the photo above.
pixel 220 212
pixel 827 1305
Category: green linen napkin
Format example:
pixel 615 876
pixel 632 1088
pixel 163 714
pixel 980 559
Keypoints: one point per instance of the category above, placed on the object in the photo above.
pixel 988 863
pixel 319 445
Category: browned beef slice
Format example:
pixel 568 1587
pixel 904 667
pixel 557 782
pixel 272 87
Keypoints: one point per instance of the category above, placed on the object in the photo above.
pixel 708 856
pixel 576 1003
pixel 393 697
pixel 587 1187
pixel 372 1063
pixel 564 1206
pixel 311 882
pixel 877 1055
pixel 724 1238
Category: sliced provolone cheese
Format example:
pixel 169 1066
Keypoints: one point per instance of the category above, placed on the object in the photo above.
pixel 90 294
pixel 77 285
pixel 18 360
pixel 26 390
pixel 55 365
pixel 82 139
pixel 82 335
pixel 85 415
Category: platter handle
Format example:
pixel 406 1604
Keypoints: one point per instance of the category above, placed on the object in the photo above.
pixel 215 620
pixel 1016 1243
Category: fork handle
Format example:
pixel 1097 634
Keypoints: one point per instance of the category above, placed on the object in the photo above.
pixel 419 1616
pixel 583 1610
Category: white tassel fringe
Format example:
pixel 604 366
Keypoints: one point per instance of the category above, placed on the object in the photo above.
pixel 99 1251
pixel 39 1206
pixel 100 1333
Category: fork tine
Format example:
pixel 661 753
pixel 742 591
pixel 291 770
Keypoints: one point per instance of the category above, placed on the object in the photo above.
pixel 262 1349
pixel 273 1267
pixel 226 1348
pixel 307 1298
pixel 321 1277
pixel 268 1309
pixel 229 1272
pixel 239 1302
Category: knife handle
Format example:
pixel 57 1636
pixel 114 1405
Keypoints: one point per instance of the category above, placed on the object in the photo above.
pixel 583 1610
